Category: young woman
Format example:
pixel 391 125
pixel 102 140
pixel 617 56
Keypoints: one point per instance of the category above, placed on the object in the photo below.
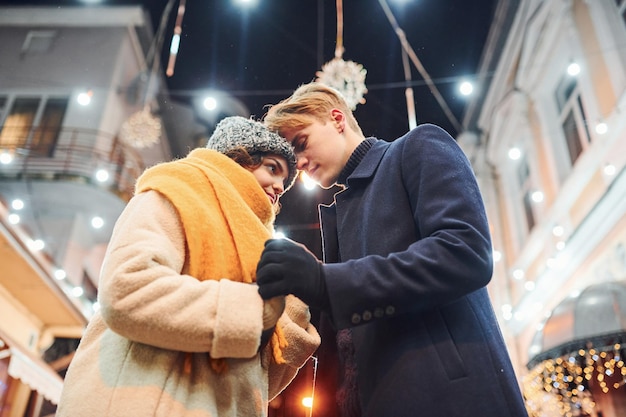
pixel 182 330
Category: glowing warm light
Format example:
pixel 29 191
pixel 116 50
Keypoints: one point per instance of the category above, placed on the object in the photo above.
pixel 307 181
pixel 279 235
pixel 307 402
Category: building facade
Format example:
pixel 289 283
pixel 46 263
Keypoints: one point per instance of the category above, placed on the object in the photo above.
pixel 548 142
pixel 80 108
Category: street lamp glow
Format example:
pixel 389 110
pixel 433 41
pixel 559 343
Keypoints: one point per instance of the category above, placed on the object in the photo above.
pixel 515 153
pixel 307 402
pixel 84 98
pixel 17 204
pixel 97 222
pixel 5 158
pixel 466 88
pixel 573 69
pixel 210 103
pixel 102 175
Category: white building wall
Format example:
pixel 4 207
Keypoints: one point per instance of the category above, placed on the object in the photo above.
pixel 590 204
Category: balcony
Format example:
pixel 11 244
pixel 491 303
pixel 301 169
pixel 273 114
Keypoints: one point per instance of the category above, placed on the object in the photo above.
pixel 52 248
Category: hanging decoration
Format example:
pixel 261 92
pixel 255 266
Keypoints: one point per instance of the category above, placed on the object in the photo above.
pixel 178 31
pixel 143 128
pixel 347 77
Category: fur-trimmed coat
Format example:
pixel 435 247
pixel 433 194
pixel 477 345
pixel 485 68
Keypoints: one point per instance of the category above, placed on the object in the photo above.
pixel 129 364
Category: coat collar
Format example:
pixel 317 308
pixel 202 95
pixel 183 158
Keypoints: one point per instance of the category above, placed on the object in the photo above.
pixel 368 165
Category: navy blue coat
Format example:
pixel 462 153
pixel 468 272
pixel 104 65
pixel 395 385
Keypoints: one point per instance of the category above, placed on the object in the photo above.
pixel 408 255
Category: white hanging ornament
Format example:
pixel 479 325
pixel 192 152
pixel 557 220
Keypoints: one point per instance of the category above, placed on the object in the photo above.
pixel 142 129
pixel 347 77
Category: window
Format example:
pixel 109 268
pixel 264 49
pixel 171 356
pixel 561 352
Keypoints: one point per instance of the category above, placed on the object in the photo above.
pixel 46 135
pixel 19 123
pixel 572 117
pixel 38 41
pixel 33 123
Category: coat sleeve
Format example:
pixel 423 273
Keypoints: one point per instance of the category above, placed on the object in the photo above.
pixel 302 338
pixel 146 297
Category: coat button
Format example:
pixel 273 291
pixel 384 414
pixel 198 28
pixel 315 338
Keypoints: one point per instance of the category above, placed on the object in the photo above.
pixel 390 310
pixel 379 312
pixel 367 315
pixel 356 319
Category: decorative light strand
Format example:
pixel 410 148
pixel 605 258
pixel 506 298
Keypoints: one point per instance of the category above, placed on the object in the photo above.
pixel 561 385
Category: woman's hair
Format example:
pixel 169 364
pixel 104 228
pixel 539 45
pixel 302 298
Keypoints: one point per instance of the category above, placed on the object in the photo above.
pixel 244 158
pixel 250 162
pixel 309 101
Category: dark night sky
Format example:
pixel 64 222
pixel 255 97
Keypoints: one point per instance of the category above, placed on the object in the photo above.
pixel 260 54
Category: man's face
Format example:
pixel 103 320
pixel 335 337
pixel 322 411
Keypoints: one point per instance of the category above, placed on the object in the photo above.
pixel 321 150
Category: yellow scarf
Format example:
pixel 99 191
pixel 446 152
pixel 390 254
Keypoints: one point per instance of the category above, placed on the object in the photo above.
pixel 226 218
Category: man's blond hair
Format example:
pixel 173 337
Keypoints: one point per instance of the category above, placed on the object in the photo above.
pixel 309 101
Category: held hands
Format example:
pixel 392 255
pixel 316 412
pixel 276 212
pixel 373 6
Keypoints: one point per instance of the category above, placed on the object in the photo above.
pixel 287 267
pixel 272 310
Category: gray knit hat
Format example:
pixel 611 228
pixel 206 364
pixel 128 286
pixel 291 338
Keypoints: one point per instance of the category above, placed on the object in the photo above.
pixel 236 131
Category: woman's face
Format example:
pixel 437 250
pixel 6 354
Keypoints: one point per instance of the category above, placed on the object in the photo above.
pixel 271 175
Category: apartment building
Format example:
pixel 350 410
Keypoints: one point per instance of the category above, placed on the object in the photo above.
pixel 81 107
pixel 548 141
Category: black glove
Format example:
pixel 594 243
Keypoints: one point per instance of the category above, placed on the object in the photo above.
pixel 287 267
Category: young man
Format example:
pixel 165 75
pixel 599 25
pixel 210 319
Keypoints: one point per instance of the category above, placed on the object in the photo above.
pixel 407 256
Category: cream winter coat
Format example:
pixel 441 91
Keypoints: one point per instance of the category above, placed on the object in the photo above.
pixel 130 365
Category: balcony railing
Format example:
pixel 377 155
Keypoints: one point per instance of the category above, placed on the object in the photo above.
pixel 74 154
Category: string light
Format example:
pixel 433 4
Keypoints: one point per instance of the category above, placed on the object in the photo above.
pixel 562 385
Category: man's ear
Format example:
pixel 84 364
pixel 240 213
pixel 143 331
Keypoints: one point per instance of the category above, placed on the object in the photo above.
pixel 338 118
